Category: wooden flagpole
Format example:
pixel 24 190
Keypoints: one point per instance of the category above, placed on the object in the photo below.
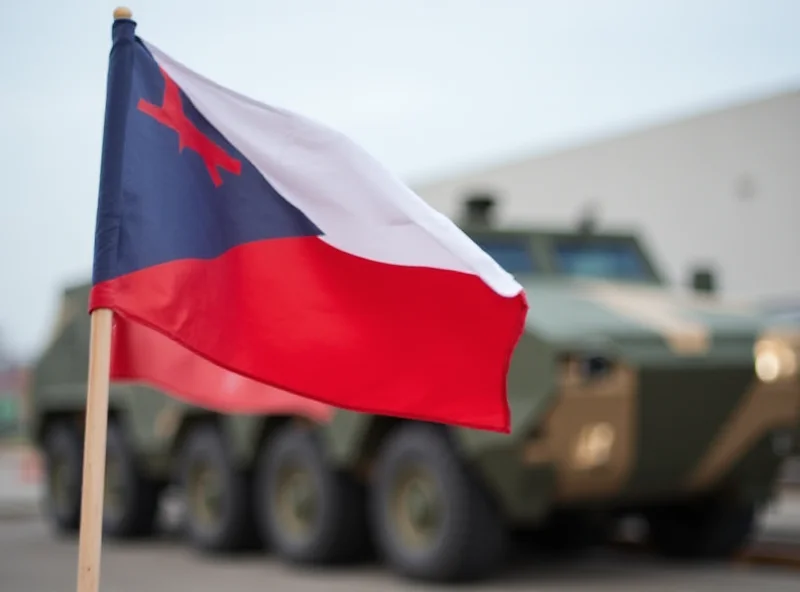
pixel 94 452
pixel 95 435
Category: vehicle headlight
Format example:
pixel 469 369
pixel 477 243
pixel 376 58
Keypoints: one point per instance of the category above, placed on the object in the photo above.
pixel 594 445
pixel 774 359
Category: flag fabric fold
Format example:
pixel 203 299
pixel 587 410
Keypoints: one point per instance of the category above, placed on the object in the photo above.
pixel 258 261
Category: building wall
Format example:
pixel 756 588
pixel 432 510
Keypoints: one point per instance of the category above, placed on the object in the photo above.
pixel 721 188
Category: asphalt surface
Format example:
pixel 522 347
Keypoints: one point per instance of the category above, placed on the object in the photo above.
pixel 32 560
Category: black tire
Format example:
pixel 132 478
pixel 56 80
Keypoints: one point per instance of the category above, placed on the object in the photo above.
pixel 130 508
pixel 469 542
pixel 701 531
pixel 329 523
pixel 63 464
pixel 229 526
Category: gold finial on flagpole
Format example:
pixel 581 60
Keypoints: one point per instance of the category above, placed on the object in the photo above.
pixel 122 12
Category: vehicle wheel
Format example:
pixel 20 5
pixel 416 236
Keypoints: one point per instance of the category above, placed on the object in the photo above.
pixel 432 520
pixel 701 531
pixel 63 464
pixel 308 512
pixel 130 505
pixel 216 494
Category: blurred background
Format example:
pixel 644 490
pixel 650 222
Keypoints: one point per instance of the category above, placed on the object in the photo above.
pixel 676 119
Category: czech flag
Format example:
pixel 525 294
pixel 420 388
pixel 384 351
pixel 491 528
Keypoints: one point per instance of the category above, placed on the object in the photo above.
pixel 257 261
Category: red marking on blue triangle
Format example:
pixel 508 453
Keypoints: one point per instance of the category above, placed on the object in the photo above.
pixel 170 113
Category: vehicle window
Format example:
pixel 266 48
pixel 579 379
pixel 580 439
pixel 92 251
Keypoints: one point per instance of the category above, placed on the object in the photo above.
pixel 615 261
pixel 513 256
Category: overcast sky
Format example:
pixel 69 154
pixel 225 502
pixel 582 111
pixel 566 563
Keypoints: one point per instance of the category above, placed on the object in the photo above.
pixel 428 86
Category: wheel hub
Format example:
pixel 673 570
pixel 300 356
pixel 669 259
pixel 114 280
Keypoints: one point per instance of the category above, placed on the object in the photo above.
pixel 416 508
pixel 114 489
pixel 296 501
pixel 205 494
pixel 419 506
pixel 60 482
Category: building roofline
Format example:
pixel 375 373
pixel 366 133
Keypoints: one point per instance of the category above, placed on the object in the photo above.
pixel 574 144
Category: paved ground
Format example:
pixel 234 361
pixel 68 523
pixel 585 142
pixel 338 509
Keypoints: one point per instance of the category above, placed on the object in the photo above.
pixel 32 560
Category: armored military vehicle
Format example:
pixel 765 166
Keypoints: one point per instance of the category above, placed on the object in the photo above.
pixel 628 398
